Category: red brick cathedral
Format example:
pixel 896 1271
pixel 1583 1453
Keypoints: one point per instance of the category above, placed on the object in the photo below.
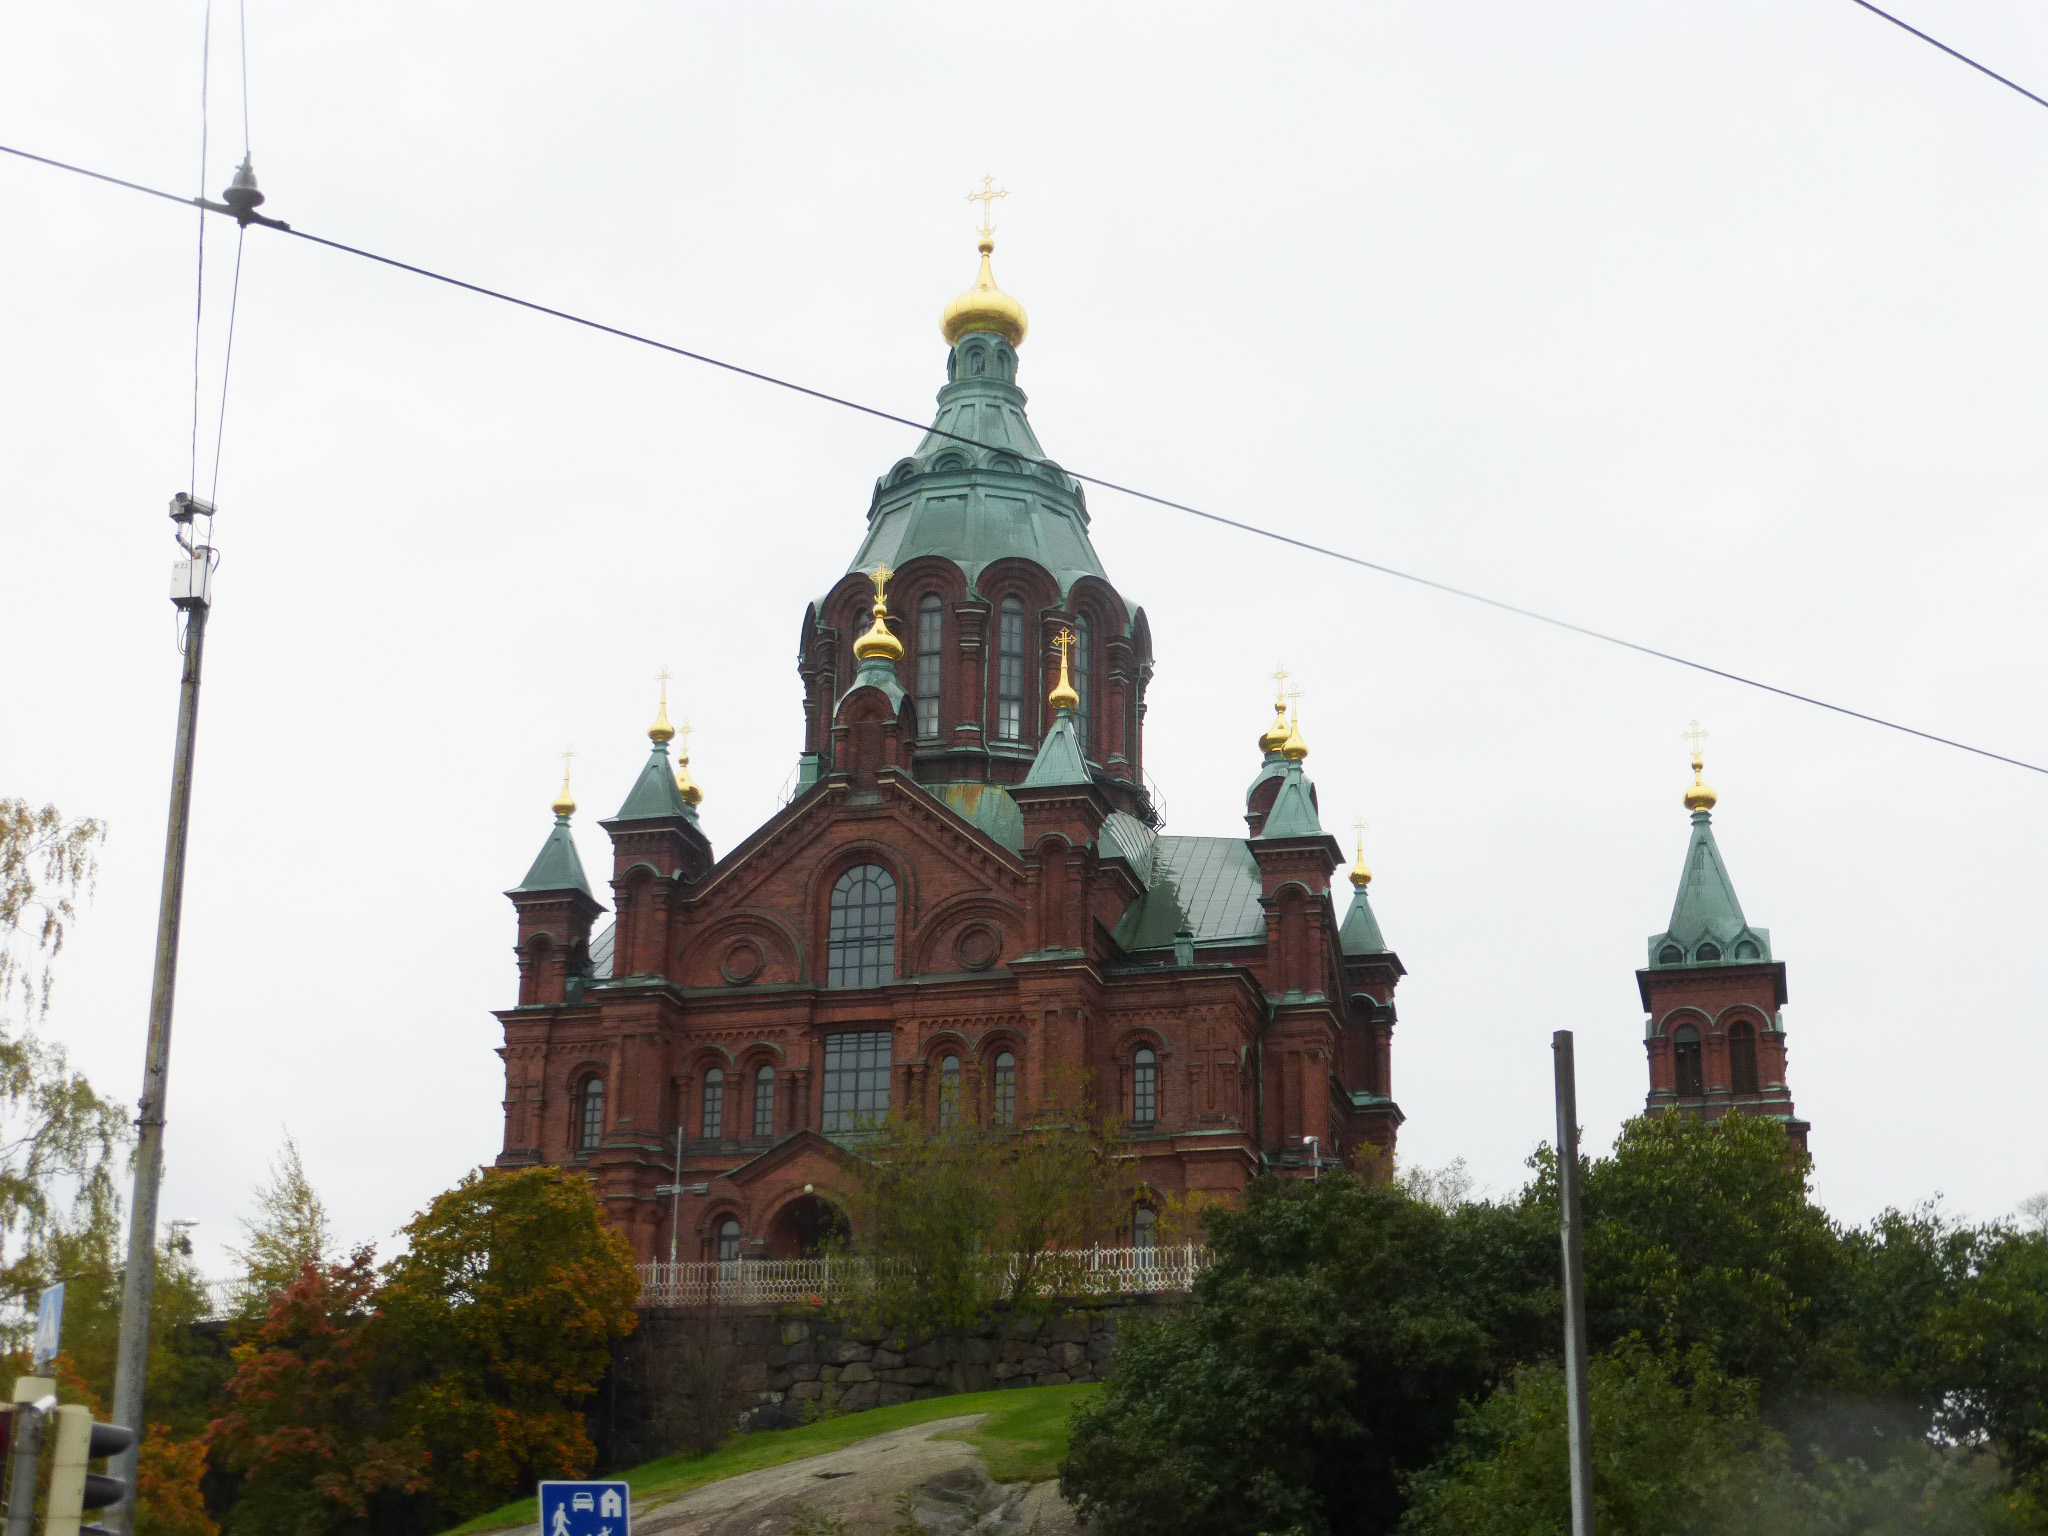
pixel 967 911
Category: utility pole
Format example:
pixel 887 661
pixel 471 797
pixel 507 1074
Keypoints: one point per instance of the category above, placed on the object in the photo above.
pixel 192 593
pixel 1578 1410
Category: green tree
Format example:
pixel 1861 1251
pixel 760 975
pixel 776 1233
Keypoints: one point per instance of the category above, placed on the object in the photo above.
pixel 289 1231
pixel 502 1313
pixel 308 1425
pixel 1322 1359
pixel 1996 1335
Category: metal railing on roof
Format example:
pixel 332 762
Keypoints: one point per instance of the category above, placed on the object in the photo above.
pixel 1076 1273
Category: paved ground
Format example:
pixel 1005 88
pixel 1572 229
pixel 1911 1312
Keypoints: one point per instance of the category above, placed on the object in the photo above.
pixel 862 1484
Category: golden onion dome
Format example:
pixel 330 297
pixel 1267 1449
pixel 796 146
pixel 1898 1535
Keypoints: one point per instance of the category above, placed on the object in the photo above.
pixel 1699 795
pixel 1361 877
pixel 878 641
pixel 1063 695
pixel 984 307
pixel 1294 748
pixel 686 787
pixel 661 732
pixel 1274 736
pixel 565 803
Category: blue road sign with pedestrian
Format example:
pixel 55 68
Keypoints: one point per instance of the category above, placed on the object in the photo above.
pixel 585 1509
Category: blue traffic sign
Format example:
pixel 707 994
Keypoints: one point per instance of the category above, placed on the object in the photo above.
pixel 585 1509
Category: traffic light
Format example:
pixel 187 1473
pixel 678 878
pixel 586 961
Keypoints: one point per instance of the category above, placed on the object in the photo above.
pixel 73 1490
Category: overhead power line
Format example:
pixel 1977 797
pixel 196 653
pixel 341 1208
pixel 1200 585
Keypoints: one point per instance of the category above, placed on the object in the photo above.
pixel 1935 42
pixel 1109 485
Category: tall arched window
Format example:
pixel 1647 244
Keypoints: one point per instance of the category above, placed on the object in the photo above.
pixel 1144 1086
pixel 1685 1057
pixel 714 1105
pixel 764 1101
pixel 1144 1228
pixel 949 1091
pixel 1742 1056
pixel 860 946
pixel 728 1241
pixel 1010 671
pixel 592 1126
pixel 930 647
pixel 1084 681
pixel 1004 1101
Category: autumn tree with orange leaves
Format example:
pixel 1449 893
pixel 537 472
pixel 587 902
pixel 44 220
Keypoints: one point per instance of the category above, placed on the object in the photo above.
pixel 504 1310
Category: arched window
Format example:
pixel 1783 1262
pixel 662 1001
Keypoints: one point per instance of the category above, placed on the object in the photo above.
pixel 1084 681
pixel 592 1127
pixel 949 1091
pixel 1005 1099
pixel 1742 1056
pixel 728 1241
pixel 1144 1228
pixel 1747 951
pixel 930 647
pixel 1010 671
pixel 1144 1086
pixel 764 1101
pixel 1685 1057
pixel 714 1105
pixel 1709 951
pixel 860 948
pixel 1671 954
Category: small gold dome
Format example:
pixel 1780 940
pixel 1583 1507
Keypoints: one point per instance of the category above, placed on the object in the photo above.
pixel 1699 796
pixel 1274 736
pixel 1063 695
pixel 661 732
pixel 565 803
pixel 685 785
pixel 878 641
pixel 1361 877
pixel 984 307
pixel 1294 747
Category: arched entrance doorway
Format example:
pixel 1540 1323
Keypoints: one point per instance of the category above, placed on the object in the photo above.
pixel 806 1227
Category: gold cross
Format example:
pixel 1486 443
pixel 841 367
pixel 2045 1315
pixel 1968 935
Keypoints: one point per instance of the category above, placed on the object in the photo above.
pixel 567 753
pixel 987 198
pixel 1280 676
pixel 1358 826
pixel 683 731
pixel 1294 698
pixel 1064 641
pixel 1695 735
pixel 881 580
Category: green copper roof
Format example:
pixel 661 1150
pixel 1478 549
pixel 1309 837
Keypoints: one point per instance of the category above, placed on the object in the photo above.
pixel 654 796
pixel 1294 808
pixel 985 499
pixel 557 868
pixel 1207 886
pixel 1360 934
pixel 1059 759
pixel 1707 925
pixel 987 807
pixel 878 672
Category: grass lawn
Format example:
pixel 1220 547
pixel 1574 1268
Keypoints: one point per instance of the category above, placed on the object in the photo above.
pixel 1021 1440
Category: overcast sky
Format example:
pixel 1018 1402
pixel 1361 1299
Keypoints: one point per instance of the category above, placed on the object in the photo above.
pixel 1714 325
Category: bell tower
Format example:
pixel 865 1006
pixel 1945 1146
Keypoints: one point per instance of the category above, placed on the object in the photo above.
pixel 1713 993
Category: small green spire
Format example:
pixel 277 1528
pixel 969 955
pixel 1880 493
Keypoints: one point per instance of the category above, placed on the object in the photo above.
pixel 1294 807
pixel 1059 759
pixel 557 868
pixel 1360 934
pixel 1707 912
pixel 654 796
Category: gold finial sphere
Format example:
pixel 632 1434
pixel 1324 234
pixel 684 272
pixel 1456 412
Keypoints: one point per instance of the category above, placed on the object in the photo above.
pixel 661 732
pixel 685 785
pixel 565 803
pixel 1274 736
pixel 1361 877
pixel 878 641
pixel 1063 695
pixel 985 307
pixel 1294 747
pixel 1699 796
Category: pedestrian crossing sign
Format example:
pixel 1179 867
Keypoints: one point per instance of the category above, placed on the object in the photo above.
pixel 585 1509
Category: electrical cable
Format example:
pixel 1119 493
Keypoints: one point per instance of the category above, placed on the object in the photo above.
pixel 2041 101
pixel 1110 485
pixel 199 301
pixel 227 362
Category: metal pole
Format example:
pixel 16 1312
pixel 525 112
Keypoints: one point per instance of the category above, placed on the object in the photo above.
pixel 28 1447
pixel 675 1204
pixel 1578 1409
pixel 139 1282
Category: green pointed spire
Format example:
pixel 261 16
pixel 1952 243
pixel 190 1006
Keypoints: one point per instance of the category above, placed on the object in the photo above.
pixel 1707 925
pixel 654 795
pixel 1059 759
pixel 1294 807
pixel 557 868
pixel 1360 934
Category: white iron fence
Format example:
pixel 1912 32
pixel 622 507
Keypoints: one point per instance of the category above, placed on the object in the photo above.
pixel 1073 1272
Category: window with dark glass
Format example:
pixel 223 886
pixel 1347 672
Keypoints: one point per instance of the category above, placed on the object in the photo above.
pixel 714 1105
pixel 1685 1057
pixel 930 647
pixel 1144 1228
pixel 1005 1097
pixel 860 945
pixel 1742 1056
pixel 949 1091
pixel 1670 954
pixel 1010 671
pixel 856 1094
pixel 1084 682
pixel 1709 952
pixel 764 1101
pixel 593 1113
pixel 728 1241
pixel 1144 1086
